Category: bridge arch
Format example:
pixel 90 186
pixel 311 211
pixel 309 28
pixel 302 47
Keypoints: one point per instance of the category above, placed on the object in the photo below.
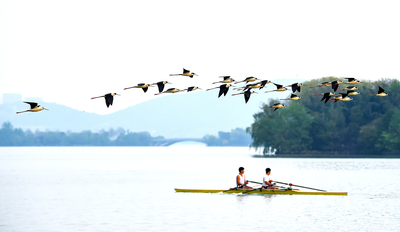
pixel 168 142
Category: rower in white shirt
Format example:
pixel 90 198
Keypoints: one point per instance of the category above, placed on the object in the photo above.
pixel 241 181
pixel 267 182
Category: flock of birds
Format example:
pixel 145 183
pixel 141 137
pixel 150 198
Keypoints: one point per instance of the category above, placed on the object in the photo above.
pixel 252 83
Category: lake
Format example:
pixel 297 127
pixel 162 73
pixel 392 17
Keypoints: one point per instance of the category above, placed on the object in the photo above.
pixel 132 189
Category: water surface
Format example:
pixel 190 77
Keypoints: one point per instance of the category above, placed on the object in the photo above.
pixel 132 189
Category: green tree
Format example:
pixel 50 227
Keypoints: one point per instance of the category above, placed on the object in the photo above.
pixel 284 130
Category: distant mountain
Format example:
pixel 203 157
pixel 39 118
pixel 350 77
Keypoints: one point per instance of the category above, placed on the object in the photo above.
pixel 193 114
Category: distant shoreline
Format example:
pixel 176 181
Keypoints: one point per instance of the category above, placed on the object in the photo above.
pixel 332 156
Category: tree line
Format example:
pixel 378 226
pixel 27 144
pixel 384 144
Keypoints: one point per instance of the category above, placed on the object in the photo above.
pixel 10 136
pixel 367 124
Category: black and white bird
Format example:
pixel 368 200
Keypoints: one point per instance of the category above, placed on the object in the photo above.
pixel 34 108
pixel 109 97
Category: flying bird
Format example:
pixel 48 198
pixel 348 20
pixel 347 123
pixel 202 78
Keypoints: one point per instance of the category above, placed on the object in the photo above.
pixel 170 90
pixel 185 73
pixel 143 86
pixel 348 88
pixel 192 88
pixel 335 85
pixel 161 85
pixel 352 92
pixel 322 84
pixel 381 93
pixel 343 97
pixel 34 108
pixel 264 82
pixel 246 94
pixel 295 87
pixel 293 97
pixel 337 98
pixel 352 80
pixel 248 79
pixel 227 79
pixel 275 106
pixel 326 96
pixel 278 88
pixel 223 89
pixel 109 98
pixel 251 86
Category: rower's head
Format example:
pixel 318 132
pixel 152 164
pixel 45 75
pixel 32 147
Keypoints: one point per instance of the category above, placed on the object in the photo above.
pixel 268 171
pixel 241 169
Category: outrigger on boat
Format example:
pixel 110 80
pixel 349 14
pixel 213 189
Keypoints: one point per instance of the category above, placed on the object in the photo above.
pixel 281 191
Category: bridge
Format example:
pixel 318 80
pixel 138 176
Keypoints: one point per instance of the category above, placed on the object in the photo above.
pixel 168 142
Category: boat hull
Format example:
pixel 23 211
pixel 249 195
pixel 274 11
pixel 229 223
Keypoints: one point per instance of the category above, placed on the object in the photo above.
pixel 261 191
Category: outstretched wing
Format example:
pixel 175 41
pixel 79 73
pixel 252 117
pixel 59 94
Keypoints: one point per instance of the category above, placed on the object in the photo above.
pixel 247 95
pixel 32 104
pixel 278 86
pixel 294 87
pixel 327 98
pixel 381 90
pixel 160 86
pixel 335 86
pixel 222 89
pixel 109 99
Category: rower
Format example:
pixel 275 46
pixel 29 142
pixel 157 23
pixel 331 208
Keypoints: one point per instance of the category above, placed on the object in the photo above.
pixel 267 182
pixel 241 181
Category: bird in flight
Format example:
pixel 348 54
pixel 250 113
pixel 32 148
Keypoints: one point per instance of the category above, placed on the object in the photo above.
pixel 293 97
pixel 275 106
pixel 322 84
pixel 170 90
pixel 349 88
pixel 278 88
pixel 227 79
pixel 352 80
pixel 295 87
pixel 381 93
pixel 223 89
pixel 143 86
pixel 185 73
pixel 343 97
pixel 248 79
pixel 191 88
pixel 109 98
pixel 326 96
pixel 34 108
pixel 246 94
pixel 161 85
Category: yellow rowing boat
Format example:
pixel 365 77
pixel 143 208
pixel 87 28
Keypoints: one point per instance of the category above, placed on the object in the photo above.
pixel 262 191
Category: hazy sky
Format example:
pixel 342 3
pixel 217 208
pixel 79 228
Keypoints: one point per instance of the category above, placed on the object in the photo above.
pixel 69 51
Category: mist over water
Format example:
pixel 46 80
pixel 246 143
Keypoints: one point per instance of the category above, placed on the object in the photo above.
pixel 132 189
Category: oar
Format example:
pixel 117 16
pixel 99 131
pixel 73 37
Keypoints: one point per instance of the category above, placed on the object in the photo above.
pixel 252 190
pixel 230 189
pixel 254 182
pixel 300 186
